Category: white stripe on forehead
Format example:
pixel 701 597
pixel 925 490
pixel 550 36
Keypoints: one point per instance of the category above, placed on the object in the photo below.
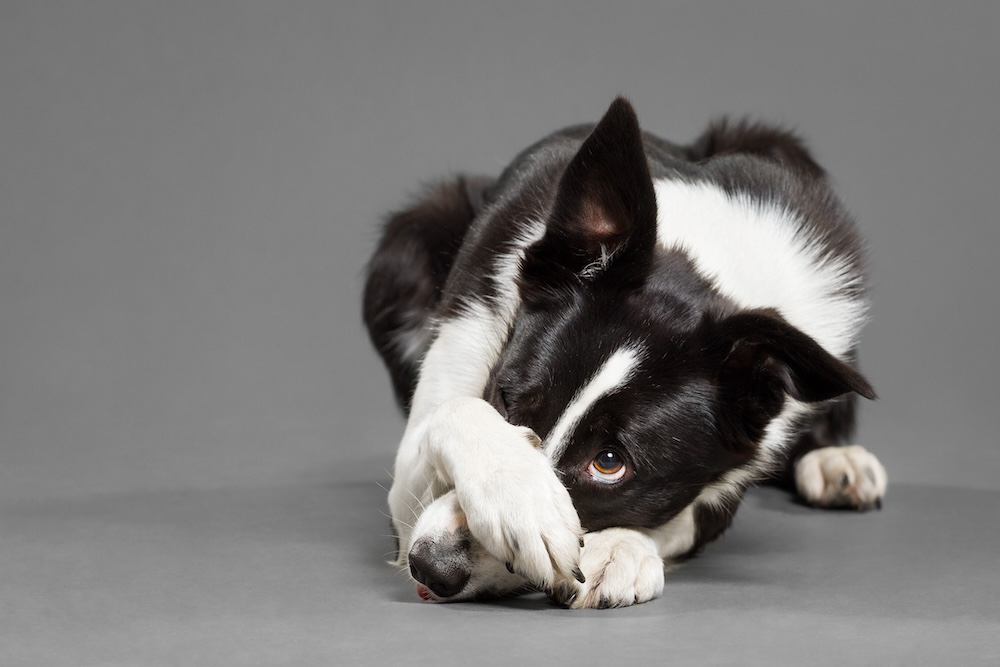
pixel 613 374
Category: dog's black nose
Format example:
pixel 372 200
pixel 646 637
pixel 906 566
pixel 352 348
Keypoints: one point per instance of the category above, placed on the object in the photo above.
pixel 444 570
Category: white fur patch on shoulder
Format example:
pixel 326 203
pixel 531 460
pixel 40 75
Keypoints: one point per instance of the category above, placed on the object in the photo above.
pixel 760 255
pixel 613 374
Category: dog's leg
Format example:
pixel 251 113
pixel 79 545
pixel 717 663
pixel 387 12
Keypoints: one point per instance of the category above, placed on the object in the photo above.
pixel 515 504
pixel 453 366
pixel 457 364
pixel 841 477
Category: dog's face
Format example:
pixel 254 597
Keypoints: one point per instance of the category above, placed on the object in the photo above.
pixel 643 383
pixel 641 407
pixel 626 407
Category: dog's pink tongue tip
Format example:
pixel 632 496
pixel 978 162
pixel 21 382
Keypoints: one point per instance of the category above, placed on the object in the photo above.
pixel 423 592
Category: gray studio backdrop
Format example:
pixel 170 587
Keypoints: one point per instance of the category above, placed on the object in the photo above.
pixel 189 191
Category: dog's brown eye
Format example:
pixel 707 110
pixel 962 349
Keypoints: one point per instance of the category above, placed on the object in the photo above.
pixel 607 467
pixel 608 462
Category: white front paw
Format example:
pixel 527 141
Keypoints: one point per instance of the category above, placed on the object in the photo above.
pixel 841 477
pixel 622 568
pixel 525 517
pixel 513 501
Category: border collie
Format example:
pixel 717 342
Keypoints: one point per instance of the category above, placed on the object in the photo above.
pixel 600 350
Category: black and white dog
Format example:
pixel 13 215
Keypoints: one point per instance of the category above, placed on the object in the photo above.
pixel 600 350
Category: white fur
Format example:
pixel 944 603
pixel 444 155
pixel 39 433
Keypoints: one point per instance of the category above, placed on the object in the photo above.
pixel 676 537
pixel 841 477
pixel 457 364
pixel 443 516
pixel 613 374
pixel 442 522
pixel 759 255
pixel 513 501
pixel 622 567
pixel 508 266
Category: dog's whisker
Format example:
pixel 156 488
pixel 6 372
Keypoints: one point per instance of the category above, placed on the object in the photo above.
pixel 410 526
pixel 422 508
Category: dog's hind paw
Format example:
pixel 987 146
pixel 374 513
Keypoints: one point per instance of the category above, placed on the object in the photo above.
pixel 841 477
pixel 622 568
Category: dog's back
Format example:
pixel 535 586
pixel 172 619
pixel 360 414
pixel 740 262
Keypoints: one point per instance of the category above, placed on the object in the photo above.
pixel 790 214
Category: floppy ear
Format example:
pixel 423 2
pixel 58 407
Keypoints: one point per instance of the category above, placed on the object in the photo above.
pixel 764 359
pixel 604 213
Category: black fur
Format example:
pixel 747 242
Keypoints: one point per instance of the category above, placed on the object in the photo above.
pixel 407 273
pixel 596 280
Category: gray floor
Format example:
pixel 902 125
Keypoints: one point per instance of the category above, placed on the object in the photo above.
pixel 194 431
pixel 294 574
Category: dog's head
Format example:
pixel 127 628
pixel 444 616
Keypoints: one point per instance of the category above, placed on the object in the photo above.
pixel 645 384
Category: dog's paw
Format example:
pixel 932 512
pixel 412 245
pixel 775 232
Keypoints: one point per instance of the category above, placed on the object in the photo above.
pixel 841 477
pixel 513 501
pixel 526 519
pixel 622 568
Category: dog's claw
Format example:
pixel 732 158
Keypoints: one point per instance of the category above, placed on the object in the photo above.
pixel 578 575
pixel 562 595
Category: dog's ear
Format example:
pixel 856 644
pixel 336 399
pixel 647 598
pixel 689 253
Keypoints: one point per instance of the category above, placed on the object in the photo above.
pixel 604 214
pixel 762 359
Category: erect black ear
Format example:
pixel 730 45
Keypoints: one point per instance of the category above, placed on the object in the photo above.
pixel 764 359
pixel 604 212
